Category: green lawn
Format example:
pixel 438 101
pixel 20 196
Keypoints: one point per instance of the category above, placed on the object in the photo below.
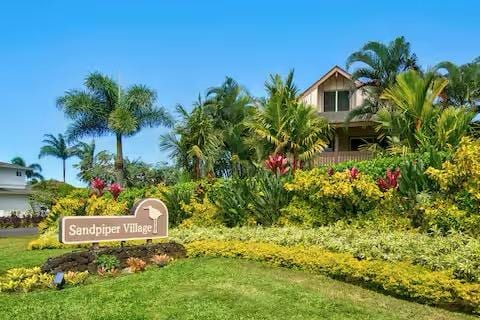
pixel 13 253
pixel 207 288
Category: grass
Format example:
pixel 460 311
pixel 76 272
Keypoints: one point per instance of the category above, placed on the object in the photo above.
pixel 209 288
pixel 13 253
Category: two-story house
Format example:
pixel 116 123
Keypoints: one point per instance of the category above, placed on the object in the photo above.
pixel 14 191
pixel 334 95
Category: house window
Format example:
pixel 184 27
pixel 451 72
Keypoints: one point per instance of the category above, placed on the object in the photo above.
pixel 336 101
pixel 19 173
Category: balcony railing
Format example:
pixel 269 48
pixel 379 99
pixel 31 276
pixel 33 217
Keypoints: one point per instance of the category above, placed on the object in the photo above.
pixel 326 158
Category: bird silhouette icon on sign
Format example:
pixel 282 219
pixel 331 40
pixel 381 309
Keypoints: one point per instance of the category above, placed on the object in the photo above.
pixel 154 214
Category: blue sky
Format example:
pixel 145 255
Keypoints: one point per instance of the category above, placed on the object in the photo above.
pixel 180 48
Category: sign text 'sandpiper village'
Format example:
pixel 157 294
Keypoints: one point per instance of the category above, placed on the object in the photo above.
pixel 149 221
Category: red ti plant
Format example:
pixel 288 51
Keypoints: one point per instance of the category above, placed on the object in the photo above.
pixel 330 171
pixel 115 189
pixel 390 181
pixel 277 164
pixel 353 173
pixel 98 185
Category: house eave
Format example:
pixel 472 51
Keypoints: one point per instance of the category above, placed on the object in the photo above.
pixel 326 76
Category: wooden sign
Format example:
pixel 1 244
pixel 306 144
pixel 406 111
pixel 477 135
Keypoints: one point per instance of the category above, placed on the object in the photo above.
pixel 149 220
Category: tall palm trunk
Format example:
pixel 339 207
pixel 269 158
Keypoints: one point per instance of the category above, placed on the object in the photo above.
pixel 197 168
pixel 64 168
pixel 119 168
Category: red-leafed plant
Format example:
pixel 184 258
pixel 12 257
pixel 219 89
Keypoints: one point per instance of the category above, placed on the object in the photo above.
pixel 115 189
pixel 390 181
pixel 98 186
pixel 353 173
pixel 277 164
pixel 330 171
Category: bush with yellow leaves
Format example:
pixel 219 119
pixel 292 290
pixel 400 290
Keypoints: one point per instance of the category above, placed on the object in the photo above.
pixel 104 206
pixel 25 280
pixel 456 206
pixel 201 213
pixel 321 197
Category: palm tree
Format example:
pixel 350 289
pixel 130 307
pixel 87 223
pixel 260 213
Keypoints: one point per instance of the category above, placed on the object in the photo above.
pixel 413 120
pixel 56 147
pixel 86 153
pixel 287 126
pixel 379 65
pixel 106 108
pixel 463 87
pixel 195 140
pixel 33 172
pixel 229 105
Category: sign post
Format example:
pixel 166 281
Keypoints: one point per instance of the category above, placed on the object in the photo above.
pixel 149 220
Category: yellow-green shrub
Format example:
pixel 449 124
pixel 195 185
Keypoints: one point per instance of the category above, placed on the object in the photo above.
pixel 202 213
pixel 457 204
pixel 25 280
pixel 325 198
pixel 104 206
pixel 68 206
pixel 74 278
pixel 400 279
pixel 463 171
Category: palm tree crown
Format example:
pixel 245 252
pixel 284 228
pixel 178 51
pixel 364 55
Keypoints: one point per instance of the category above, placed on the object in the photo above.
pixel 104 107
pixel 463 87
pixel 412 119
pixel 286 126
pixel 56 147
pixel 195 141
pixel 379 65
pixel 33 174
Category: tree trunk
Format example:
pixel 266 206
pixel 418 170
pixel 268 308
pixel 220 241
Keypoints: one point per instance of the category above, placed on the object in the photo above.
pixel 295 163
pixel 119 169
pixel 64 169
pixel 197 168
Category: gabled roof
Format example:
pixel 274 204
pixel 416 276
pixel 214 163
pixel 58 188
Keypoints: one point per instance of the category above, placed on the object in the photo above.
pixel 12 166
pixel 326 76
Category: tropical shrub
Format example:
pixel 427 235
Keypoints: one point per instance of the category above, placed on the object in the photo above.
pixel 107 262
pixel 160 260
pixel 68 206
pixel 25 280
pixel 375 167
pixel 136 264
pixel 75 278
pixel 321 197
pixel 231 197
pixel 101 206
pixel 15 220
pixel 201 213
pixel 255 200
pixel 174 197
pixel 401 279
pixel 46 193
